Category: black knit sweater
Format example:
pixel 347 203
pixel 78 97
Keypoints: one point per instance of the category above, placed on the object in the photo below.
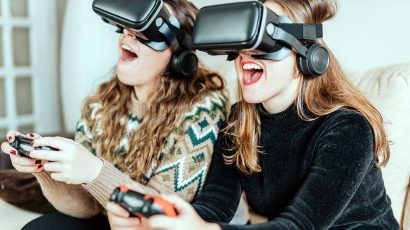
pixel 316 174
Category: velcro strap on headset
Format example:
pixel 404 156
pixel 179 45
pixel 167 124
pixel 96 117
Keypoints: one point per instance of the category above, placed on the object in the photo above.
pixel 183 37
pixel 303 31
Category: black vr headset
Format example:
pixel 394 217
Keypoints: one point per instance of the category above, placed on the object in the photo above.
pixel 229 28
pixel 151 19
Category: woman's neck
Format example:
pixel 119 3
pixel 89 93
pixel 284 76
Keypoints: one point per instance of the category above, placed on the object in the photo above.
pixel 284 99
pixel 137 107
pixel 142 92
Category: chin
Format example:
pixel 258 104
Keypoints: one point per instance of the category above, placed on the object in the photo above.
pixel 126 79
pixel 122 78
pixel 252 98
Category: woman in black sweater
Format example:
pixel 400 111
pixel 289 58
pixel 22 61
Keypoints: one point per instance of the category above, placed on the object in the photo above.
pixel 305 151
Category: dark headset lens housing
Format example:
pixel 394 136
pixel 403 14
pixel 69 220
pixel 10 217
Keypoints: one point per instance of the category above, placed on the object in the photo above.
pixel 138 16
pixel 238 29
pixel 228 28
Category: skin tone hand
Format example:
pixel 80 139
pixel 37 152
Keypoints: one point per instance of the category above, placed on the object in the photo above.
pixel 120 219
pixel 72 164
pixel 21 164
pixel 186 217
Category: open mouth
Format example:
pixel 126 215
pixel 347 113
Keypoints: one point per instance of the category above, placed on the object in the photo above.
pixel 127 53
pixel 252 73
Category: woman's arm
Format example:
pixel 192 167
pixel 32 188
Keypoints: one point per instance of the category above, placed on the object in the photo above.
pixel 219 199
pixel 186 156
pixel 109 179
pixel 70 199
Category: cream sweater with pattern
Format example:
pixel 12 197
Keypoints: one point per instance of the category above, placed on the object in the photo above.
pixel 182 170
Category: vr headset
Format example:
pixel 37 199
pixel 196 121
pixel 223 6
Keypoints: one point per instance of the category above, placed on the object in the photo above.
pixel 151 19
pixel 230 28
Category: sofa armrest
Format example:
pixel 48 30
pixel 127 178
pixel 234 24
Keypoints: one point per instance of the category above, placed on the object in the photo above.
pixel 388 88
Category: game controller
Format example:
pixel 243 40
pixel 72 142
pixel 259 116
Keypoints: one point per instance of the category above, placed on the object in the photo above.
pixel 138 204
pixel 23 146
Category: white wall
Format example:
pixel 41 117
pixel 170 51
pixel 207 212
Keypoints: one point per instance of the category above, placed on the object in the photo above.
pixel 88 52
pixel 370 33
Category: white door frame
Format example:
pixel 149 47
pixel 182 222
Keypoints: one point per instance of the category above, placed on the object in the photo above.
pixel 42 25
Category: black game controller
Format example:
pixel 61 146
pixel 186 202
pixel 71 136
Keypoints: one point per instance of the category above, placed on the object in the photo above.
pixel 138 204
pixel 23 146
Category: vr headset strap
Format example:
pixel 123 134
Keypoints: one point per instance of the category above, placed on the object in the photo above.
pixel 282 36
pixel 184 39
pixel 303 31
pixel 164 28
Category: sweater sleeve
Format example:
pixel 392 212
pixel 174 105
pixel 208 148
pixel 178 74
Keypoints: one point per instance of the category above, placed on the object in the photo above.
pixel 184 160
pixel 219 199
pixel 69 199
pixel 110 177
pixel 72 200
pixel 342 156
pixel 187 157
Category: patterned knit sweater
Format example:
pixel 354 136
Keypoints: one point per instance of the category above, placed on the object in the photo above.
pixel 182 169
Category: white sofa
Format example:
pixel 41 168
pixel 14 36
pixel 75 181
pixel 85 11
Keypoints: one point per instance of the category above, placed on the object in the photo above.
pixel 389 89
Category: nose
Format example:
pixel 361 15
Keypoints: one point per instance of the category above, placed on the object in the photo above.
pixel 129 33
pixel 243 54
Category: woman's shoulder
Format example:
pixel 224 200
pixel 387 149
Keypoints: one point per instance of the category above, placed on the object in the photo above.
pixel 346 115
pixel 211 107
pixel 213 101
pixel 92 110
pixel 89 117
pixel 347 120
pixel 219 97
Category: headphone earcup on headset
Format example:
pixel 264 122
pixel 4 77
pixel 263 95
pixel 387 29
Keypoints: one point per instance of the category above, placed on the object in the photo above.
pixel 185 63
pixel 316 62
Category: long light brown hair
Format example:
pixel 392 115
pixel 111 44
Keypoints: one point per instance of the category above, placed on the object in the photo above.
pixel 322 95
pixel 170 99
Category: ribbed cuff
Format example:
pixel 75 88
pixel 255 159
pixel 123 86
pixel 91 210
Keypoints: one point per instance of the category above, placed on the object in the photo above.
pixel 108 179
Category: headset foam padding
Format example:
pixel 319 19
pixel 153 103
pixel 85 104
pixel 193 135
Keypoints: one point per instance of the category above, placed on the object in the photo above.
pixel 316 62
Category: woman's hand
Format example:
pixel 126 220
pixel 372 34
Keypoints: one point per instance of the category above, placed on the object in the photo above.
pixel 21 164
pixel 120 219
pixel 72 164
pixel 186 217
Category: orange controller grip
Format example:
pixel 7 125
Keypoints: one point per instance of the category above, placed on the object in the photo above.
pixel 139 204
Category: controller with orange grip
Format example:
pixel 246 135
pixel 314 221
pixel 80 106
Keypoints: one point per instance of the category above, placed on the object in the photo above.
pixel 138 204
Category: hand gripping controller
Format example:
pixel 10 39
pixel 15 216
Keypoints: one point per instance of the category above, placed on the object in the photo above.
pixel 23 146
pixel 138 204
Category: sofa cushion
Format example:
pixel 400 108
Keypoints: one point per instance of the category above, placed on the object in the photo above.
pixel 23 191
pixel 388 89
